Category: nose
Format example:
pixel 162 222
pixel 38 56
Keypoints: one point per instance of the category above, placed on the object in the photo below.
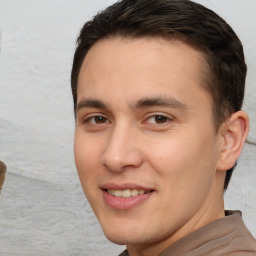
pixel 122 151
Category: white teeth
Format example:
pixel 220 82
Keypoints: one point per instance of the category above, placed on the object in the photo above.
pixel 117 192
pixel 135 192
pixel 127 192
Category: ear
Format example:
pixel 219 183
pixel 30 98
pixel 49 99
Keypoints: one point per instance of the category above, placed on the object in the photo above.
pixel 234 132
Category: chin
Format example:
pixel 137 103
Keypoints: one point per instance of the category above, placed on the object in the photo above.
pixel 127 236
pixel 122 240
pixel 122 236
pixel 119 240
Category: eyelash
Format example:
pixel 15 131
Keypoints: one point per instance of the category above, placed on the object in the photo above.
pixel 87 120
pixel 159 116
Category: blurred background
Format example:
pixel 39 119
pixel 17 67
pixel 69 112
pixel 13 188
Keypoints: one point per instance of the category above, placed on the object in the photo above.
pixel 42 208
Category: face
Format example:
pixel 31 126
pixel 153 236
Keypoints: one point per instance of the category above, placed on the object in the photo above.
pixel 146 149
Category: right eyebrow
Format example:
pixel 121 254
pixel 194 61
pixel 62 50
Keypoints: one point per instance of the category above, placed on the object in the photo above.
pixel 90 103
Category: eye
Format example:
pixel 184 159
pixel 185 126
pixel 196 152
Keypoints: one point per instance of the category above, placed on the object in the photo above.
pixel 97 120
pixel 158 119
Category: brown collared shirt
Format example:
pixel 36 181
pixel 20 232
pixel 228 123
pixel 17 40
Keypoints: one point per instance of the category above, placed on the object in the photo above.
pixel 226 236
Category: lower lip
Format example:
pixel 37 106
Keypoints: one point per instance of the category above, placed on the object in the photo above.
pixel 123 203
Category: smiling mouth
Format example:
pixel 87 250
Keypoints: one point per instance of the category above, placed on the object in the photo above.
pixel 126 193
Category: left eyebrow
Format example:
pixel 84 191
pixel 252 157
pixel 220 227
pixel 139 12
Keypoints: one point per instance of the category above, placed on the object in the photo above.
pixel 160 101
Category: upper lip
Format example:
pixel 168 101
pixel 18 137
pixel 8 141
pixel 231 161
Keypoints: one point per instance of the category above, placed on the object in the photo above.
pixel 123 186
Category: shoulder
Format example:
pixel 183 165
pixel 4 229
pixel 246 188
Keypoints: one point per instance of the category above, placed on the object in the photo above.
pixel 227 236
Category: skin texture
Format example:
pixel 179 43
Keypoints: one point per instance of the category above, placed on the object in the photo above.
pixel 143 120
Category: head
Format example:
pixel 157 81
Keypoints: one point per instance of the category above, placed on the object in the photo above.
pixel 225 70
pixel 206 72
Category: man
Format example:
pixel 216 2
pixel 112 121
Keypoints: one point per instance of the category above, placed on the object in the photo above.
pixel 158 87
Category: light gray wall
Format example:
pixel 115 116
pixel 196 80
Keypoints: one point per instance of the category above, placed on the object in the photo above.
pixel 43 210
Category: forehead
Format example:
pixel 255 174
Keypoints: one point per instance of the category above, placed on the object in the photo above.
pixel 143 65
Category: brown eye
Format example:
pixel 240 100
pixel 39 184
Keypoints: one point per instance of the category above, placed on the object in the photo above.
pixel 158 119
pixel 161 119
pixel 100 119
pixel 97 120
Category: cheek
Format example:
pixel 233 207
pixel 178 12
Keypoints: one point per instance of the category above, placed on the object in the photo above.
pixel 183 162
pixel 184 171
pixel 86 159
pixel 87 164
pixel 169 155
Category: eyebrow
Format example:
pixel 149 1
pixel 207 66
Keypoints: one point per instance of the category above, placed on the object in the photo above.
pixel 90 103
pixel 142 103
pixel 160 101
